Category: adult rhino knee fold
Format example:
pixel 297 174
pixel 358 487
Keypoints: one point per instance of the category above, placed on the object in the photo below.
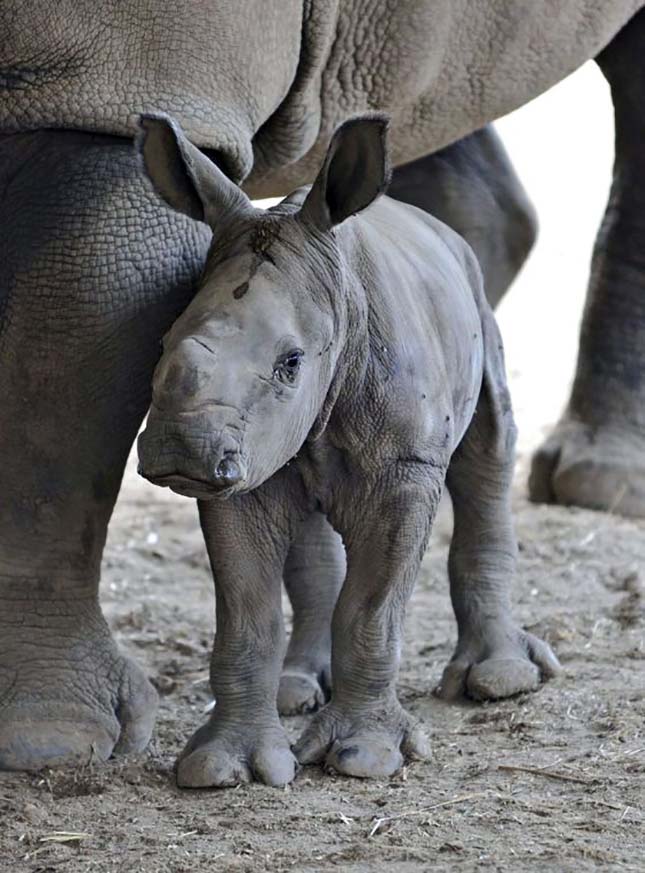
pixel 345 359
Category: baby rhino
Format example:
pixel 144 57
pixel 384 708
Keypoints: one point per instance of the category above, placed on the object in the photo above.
pixel 337 359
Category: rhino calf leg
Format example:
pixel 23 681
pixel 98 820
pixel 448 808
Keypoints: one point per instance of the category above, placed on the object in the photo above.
pixel 595 457
pixel 80 325
pixel 243 740
pixel 472 187
pixel 493 658
pixel 313 575
pixel 364 731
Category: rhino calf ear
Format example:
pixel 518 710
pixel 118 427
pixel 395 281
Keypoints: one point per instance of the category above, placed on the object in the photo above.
pixel 159 145
pixel 355 172
pixel 182 175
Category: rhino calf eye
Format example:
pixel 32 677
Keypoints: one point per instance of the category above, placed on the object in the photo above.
pixel 286 368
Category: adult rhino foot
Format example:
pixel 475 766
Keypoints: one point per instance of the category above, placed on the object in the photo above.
pixel 498 662
pixel 67 695
pixel 596 468
pixel 224 753
pixel 363 744
pixel 302 690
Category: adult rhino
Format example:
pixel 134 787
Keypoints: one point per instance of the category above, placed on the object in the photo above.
pixel 93 270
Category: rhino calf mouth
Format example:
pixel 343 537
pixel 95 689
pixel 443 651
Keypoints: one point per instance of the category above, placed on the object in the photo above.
pixel 185 486
pixel 196 488
pixel 227 480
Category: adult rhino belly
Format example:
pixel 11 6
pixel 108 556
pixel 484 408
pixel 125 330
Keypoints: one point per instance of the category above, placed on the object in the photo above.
pixel 445 68
pixel 96 64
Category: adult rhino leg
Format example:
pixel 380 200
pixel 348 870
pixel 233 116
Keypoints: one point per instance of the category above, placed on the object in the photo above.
pixel 472 186
pixel 314 573
pixel 84 300
pixel 596 455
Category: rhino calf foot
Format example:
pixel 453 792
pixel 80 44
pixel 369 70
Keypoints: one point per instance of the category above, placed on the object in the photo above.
pixel 373 744
pixel 224 753
pixel 593 468
pixel 490 666
pixel 302 691
pixel 70 697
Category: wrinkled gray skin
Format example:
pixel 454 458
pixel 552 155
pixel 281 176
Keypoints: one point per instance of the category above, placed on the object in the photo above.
pixel 347 365
pixel 93 271
pixel 66 692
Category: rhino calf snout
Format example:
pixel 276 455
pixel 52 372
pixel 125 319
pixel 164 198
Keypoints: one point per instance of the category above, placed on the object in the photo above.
pixel 229 471
pixel 189 465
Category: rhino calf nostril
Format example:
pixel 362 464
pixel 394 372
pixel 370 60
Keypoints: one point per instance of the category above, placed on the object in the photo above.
pixel 228 471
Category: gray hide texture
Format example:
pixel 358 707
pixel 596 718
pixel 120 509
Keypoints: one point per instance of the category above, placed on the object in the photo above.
pixel 265 83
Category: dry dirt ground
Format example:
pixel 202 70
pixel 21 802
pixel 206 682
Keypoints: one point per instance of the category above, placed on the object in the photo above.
pixel 552 781
pixel 548 781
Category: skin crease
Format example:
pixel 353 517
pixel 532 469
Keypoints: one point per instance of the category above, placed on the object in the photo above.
pixel 381 378
pixel 267 100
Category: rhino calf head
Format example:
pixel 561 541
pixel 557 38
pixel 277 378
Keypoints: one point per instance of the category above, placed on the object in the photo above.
pixel 248 371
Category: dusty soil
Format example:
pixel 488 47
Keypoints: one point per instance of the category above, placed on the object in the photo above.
pixel 548 781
